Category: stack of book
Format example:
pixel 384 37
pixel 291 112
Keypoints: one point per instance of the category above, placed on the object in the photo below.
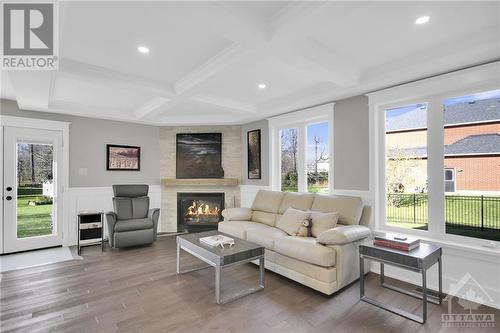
pixel 217 240
pixel 397 242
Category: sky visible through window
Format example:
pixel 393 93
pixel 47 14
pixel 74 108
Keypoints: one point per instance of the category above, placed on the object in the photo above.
pixel 319 130
pixel 473 97
pixel 390 113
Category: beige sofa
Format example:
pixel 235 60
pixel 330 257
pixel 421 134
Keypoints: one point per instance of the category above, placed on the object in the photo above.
pixel 325 267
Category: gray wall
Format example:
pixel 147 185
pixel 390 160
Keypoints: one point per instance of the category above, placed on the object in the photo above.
pixel 264 137
pixel 88 139
pixel 351 144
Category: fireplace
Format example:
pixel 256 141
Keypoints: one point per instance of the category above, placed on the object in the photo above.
pixel 199 211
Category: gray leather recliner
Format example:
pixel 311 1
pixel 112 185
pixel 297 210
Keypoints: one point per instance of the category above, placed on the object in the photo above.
pixel 132 222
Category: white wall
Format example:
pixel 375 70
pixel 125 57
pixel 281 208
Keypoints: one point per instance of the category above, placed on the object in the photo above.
pixel 88 138
pixel 95 199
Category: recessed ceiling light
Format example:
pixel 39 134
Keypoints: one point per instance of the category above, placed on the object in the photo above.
pixel 422 19
pixel 262 86
pixel 143 49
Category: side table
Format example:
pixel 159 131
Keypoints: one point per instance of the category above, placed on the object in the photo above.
pixel 418 260
pixel 90 230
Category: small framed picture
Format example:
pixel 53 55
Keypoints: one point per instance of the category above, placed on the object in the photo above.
pixel 123 158
pixel 253 147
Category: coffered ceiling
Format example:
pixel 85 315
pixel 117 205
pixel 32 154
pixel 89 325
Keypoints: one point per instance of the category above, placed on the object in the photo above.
pixel 207 59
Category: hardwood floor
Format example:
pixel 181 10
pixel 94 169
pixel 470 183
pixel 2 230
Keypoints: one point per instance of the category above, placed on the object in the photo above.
pixel 137 290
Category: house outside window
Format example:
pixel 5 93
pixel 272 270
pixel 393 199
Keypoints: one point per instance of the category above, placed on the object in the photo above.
pixel 453 147
pixel 449 180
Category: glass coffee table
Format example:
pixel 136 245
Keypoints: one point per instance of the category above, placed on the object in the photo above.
pixel 241 252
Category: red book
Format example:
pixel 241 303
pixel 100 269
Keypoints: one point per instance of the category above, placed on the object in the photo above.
pixel 395 246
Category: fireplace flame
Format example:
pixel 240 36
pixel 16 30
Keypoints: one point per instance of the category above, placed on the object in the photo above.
pixel 203 209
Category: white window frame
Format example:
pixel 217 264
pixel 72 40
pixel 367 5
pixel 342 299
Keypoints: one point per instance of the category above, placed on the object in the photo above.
pixel 300 120
pixel 432 91
pixel 454 178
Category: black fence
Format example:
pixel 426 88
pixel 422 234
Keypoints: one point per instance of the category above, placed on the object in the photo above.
pixel 478 212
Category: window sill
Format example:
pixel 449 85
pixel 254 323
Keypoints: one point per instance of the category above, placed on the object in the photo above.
pixel 479 249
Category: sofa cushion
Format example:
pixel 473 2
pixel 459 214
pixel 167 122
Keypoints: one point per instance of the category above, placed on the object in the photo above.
pixel 265 237
pixel 291 220
pixel 240 228
pixel 237 214
pixel 123 208
pixel 133 224
pixel 264 217
pixel 140 207
pixel 267 201
pixel 349 208
pixel 302 201
pixel 321 222
pixel 344 234
pixel 305 249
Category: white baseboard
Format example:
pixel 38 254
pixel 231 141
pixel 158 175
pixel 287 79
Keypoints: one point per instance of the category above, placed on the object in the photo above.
pixel 94 199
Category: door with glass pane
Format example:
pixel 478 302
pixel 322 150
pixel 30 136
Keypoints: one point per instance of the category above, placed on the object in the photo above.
pixel 32 174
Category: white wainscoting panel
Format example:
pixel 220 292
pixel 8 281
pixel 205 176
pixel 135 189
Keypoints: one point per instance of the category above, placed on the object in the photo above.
pixel 248 193
pixel 95 199
pixel 476 276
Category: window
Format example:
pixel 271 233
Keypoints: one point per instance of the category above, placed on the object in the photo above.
pixel 406 166
pixel 289 155
pixel 472 161
pixel 318 162
pixel 449 180
pixel 302 150
pixel 435 161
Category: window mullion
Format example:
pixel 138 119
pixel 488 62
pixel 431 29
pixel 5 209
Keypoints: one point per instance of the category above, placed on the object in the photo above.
pixel 435 167
pixel 302 159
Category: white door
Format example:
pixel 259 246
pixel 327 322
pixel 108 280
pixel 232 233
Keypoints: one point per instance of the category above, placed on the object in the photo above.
pixel 32 189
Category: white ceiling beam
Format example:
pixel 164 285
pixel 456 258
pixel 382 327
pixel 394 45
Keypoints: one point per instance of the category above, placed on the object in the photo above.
pixel 296 19
pixel 32 89
pixel 247 29
pixel 118 79
pixel 150 106
pixel 315 59
pixel 172 120
pixel 224 103
pixel 214 65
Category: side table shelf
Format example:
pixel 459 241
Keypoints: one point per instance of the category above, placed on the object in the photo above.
pixel 90 230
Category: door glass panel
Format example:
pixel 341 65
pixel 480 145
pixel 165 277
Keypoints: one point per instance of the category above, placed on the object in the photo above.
pixel 406 166
pixel 318 162
pixel 472 152
pixel 289 152
pixel 35 189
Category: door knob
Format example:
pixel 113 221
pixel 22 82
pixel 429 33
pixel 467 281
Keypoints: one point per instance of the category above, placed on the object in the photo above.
pixel 9 188
pixel 8 197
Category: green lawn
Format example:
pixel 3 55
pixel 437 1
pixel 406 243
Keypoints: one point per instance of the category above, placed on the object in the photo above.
pixel 463 215
pixel 33 220
pixel 460 211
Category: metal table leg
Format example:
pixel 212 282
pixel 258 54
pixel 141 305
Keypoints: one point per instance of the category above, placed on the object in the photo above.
pixel 261 272
pixel 382 276
pixel 424 295
pixel 440 278
pixel 361 277
pixel 178 258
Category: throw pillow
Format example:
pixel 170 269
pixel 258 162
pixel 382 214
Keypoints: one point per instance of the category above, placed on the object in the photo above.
pixel 321 222
pixel 291 220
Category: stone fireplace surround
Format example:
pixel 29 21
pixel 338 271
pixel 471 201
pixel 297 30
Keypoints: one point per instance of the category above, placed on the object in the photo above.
pixel 231 162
